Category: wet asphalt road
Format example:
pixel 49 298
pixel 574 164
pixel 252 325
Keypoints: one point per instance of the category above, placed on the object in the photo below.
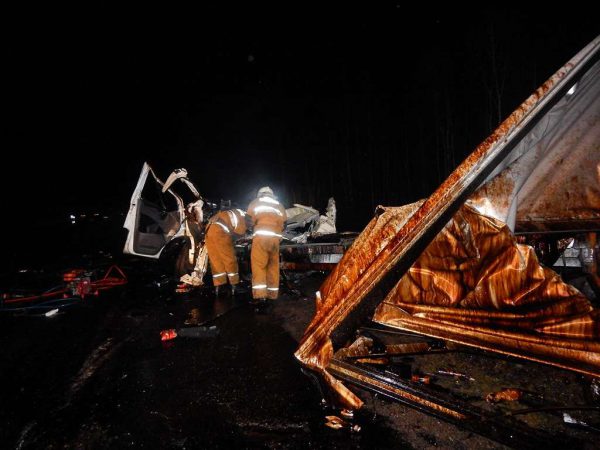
pixel 98 376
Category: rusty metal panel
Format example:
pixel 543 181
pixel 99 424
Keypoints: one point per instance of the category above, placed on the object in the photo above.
pixel 475 280
pixel 356 264
pixel 394 238
pixel 475 263
pixel 578 355
pixel 551 180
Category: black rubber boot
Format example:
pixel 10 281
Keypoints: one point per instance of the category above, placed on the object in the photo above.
pixel 267 307
pixel 262 305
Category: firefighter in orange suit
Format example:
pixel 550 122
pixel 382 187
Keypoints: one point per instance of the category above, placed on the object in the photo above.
pixel 219 244
pixel 268 218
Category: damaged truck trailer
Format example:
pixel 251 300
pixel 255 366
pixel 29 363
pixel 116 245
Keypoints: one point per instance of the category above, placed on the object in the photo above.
pixel 453 268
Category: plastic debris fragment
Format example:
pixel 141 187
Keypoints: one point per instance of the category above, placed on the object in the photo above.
pixel 506 395
pixel 167 335
pixel 420 379
pixel 347 413
pixel 455 374
pixel 337 423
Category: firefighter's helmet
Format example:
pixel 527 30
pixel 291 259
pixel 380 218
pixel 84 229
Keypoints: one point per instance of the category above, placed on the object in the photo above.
pixel 265 191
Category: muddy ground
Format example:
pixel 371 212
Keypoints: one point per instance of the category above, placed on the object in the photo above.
pixel 98 376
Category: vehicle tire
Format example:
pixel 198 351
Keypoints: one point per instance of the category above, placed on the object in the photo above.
pixel 182 262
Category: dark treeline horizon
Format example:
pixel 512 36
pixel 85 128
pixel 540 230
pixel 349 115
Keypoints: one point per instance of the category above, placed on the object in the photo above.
pixel 367 104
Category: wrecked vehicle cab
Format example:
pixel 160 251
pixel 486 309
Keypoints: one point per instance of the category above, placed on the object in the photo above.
pixel 450 268
pixel 167 220
pixel 160 225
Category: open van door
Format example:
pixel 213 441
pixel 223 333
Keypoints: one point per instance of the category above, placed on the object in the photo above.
pixel 154 218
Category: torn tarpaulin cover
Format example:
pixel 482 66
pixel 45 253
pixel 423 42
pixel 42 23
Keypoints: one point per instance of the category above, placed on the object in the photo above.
pixel 540 170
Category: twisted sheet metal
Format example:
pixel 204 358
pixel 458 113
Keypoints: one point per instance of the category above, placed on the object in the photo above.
pixel 393 239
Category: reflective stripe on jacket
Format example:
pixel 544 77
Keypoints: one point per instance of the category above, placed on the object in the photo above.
pixel 267 215
pixel 231 221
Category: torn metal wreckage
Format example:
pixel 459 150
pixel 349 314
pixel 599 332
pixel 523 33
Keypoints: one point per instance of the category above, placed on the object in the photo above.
pixel 454 267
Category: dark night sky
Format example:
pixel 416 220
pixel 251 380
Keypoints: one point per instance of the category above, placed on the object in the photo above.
pixel 371 103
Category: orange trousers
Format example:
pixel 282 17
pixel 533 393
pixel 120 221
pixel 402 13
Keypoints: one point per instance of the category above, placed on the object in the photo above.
pixel 264 259
pixel 221 255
